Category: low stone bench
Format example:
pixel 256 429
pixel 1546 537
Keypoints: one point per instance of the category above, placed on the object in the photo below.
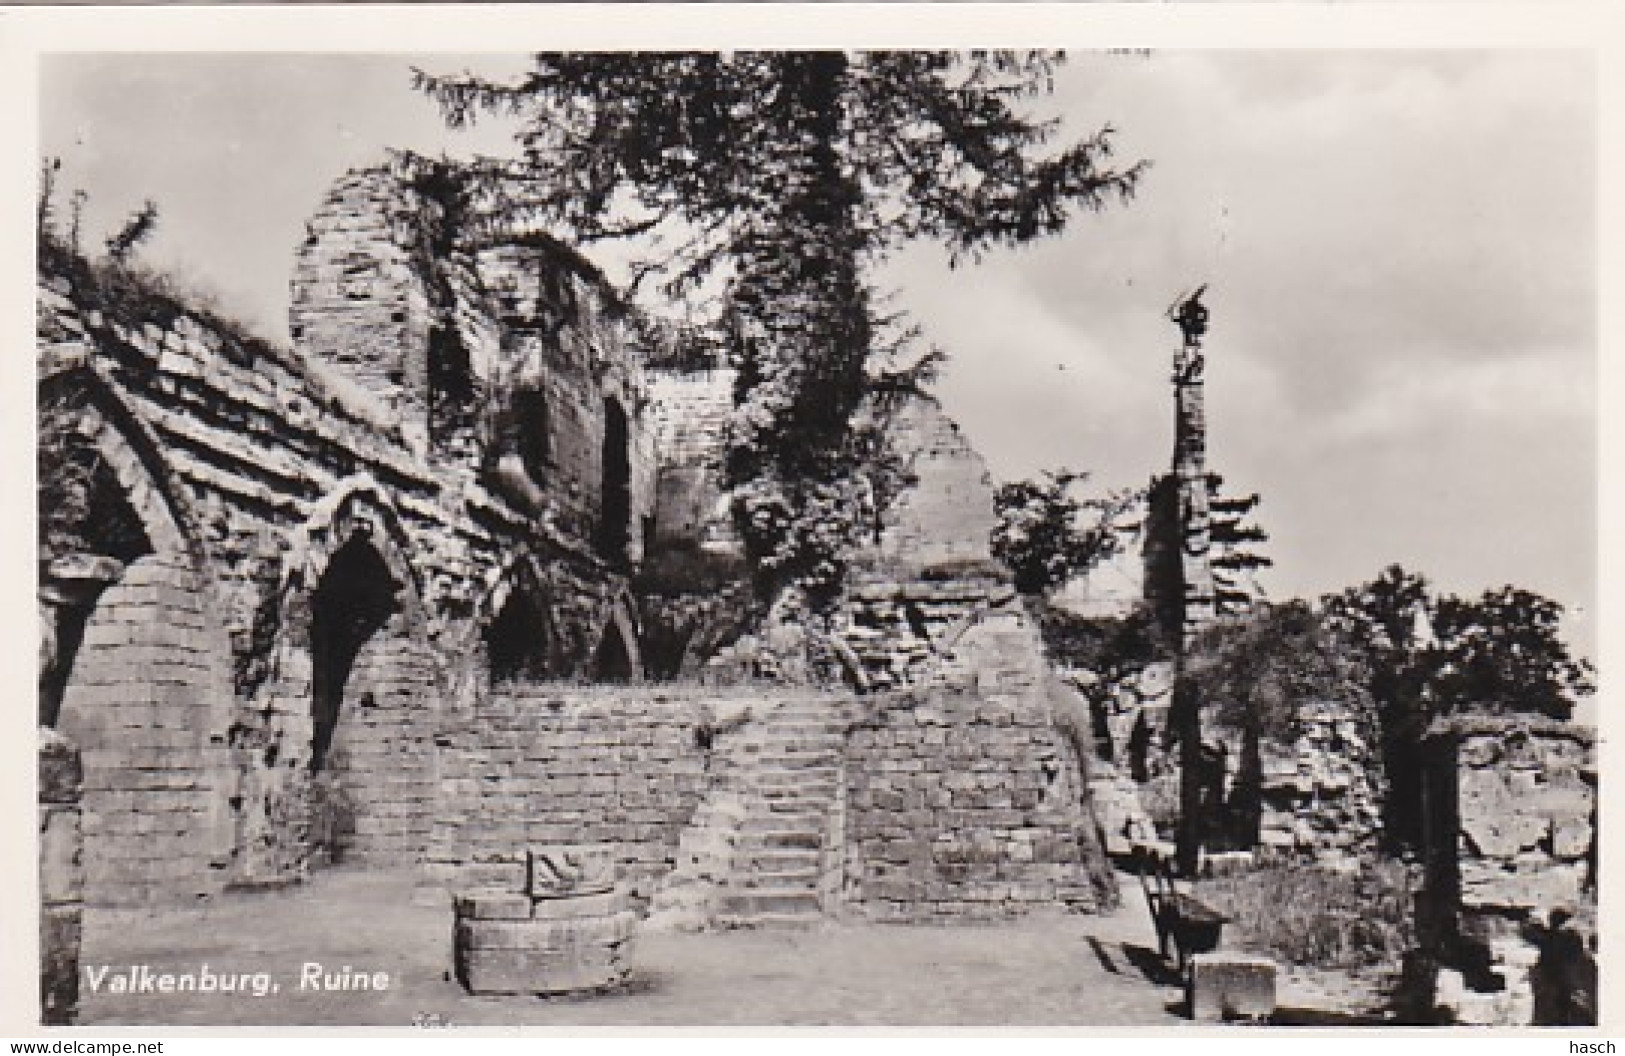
pixel 1229 986
pixel 570 930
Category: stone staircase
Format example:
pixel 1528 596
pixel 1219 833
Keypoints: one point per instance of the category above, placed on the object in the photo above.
pixel 764 849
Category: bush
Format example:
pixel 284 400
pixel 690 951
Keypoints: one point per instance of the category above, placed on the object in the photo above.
pixel 1316 917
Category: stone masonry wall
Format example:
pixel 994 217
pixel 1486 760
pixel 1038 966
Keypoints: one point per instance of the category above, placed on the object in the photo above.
pixel 150 702
pixel 1322 797
pixel 569 765
pixel 1525 797
pixel 964 797
pixel 689 416
pixel 254 471
pixel 942 524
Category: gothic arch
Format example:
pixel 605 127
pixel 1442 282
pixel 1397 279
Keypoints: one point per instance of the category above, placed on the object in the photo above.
pixel 355 681
pixel 101 416
pixel 115 603
pixel 618 656
pixel 358 506
pixel 516 628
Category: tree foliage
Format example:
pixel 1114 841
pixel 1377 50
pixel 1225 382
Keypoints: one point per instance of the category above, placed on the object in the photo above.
pixel 135 230
pixel 1428 656
pixel 781 177
pixel 1433 655
pixel 1236 542
pixel 1046 534
pixel 1254 674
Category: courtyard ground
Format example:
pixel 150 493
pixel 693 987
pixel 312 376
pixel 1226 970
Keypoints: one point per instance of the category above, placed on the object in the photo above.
pixel 1050 969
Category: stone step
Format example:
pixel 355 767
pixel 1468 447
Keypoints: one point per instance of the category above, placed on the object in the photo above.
pixel 801 725
pixel 782 777
pixel 784 859
pixel 797 806
pixel 814 793
pixel 779 880
pixel 766 762
pixel 769 921
pixel 781 839
pixel 833 742
pixel 768 900
pixel 785 821
pixel 802 728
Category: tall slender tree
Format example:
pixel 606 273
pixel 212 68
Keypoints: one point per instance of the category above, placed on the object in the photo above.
pixel 773 181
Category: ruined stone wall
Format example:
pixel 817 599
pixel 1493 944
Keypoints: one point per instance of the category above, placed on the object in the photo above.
pixel 897 630
pixel 1321 797
pixel 251 474
pixel 61 876
pixel 508 353
pixel 1524 793
pixel 1507 917
pixel 562 765
pixel 965 798
pixel 151 701
pixel 360 293
pixel 941 525
pixel 689 415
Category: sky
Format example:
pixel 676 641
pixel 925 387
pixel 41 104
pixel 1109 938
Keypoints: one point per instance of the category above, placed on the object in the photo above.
pixel 1399 248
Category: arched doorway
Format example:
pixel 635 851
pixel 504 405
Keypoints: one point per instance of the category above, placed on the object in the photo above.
pixel 371 688
pixel 132 671
pixel 354 601
pixel 618 658
pixel 519 642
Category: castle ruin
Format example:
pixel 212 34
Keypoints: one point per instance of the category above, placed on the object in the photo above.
pixel 433 585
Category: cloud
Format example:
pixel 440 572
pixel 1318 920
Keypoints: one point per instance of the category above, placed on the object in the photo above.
pixel 1523 389
pixel 1403 349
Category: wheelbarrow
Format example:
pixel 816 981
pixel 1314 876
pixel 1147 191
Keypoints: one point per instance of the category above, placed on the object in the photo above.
pixel 1184 920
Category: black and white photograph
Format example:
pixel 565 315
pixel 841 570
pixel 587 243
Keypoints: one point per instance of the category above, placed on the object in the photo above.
pixel 1092 537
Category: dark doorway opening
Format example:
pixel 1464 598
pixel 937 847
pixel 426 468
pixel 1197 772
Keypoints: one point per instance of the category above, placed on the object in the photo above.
pixel 518 643
pixel 353 602
pixel 613 661
pixel 533 433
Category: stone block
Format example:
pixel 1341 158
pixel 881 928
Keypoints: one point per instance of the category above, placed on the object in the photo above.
pixel 60 774
pixel 492 905
pixel 1571 836
pixel 546 971
pixel 61 874
pixel 1493 886
pixel 566 870
pixel 545 934
pixel 497 875
pixel 59 964
pixel 1229 986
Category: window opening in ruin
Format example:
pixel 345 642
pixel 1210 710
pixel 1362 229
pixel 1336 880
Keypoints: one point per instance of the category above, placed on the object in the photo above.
pixel 613 661
pixel 517 642
pixel 353 602
pixel 533 432
pixel 615 523
pixel 452 389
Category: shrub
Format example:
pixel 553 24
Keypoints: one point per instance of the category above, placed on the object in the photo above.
pixel 1316 917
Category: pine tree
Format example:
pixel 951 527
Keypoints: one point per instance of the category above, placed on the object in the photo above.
pixel 784 177
pixel 1236 545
